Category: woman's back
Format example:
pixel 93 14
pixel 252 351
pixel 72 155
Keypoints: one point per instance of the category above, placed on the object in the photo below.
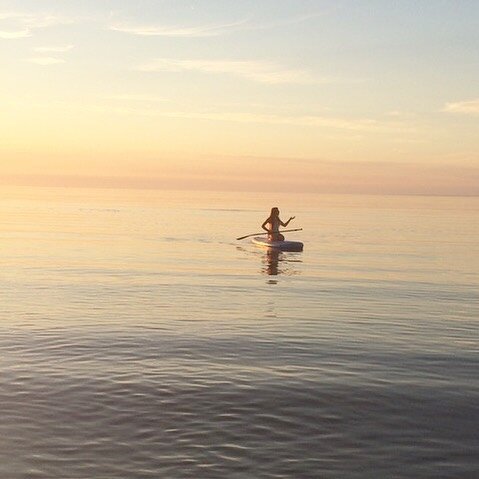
pixel 273 224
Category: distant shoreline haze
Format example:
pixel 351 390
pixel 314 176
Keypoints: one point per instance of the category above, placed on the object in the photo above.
pixel 439 182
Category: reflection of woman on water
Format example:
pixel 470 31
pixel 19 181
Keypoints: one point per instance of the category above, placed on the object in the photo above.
pixel 272 262
pixel 272 224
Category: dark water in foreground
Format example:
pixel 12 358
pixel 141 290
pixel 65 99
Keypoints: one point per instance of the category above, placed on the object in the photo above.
pixel 130 348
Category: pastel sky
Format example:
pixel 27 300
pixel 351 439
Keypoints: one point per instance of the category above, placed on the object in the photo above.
pixel 376 96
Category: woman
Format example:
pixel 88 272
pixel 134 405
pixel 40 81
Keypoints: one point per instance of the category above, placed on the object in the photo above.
pixel 272 224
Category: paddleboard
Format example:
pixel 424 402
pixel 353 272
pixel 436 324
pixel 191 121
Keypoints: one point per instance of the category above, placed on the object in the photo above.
pixel 280 245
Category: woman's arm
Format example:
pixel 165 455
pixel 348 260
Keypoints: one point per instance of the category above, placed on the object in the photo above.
pixel 287 222
pixel 266 221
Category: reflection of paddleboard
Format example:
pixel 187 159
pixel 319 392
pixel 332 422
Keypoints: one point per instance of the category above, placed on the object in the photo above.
pixel 279 245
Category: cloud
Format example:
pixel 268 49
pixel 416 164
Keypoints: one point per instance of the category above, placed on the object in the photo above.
pixel 33 20
pixel 395 113
pixel 21 25
pixel 264 72
pixel 176 31
pixel 360 125
pixel 45 60
pixel 137 98
pixel 151 106
pixel 54 49
pixel 207 30
pixel 364 124
pixel 13 34
pixel 284 22
pixel 469 107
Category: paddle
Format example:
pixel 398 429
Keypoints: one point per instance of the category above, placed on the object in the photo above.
pixel 265 233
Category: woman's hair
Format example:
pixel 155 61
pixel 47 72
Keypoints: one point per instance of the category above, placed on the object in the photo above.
pixel 274 211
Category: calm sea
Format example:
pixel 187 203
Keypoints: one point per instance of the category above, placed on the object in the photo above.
pixel 139 339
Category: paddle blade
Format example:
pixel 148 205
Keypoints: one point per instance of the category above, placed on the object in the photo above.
pixel 247 236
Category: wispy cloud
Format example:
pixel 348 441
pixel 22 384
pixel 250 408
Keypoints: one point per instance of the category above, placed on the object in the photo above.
pixel 153 110
pixel 54 49
pixel 359 125
pixel 14 34
pixel 362 124
pixel 128 97
pixel 208 30
pixel 469 107
pixel 21 25
pixel 34 20
pixel 45 61
pixel 176 31
pixel 284 22
pixel 264 72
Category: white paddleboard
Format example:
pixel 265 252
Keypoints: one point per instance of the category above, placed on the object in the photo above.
pixel 280 245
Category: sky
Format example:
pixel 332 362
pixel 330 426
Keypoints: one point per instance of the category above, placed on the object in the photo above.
pixel 374 96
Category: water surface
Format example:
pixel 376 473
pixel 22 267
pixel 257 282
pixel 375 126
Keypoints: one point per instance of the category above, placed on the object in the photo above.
pixel 138 339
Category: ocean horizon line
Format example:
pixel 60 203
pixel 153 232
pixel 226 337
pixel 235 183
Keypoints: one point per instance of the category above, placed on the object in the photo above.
pixel 143 183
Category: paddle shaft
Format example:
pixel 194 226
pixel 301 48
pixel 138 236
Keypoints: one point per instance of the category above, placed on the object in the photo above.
pixel 267 233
